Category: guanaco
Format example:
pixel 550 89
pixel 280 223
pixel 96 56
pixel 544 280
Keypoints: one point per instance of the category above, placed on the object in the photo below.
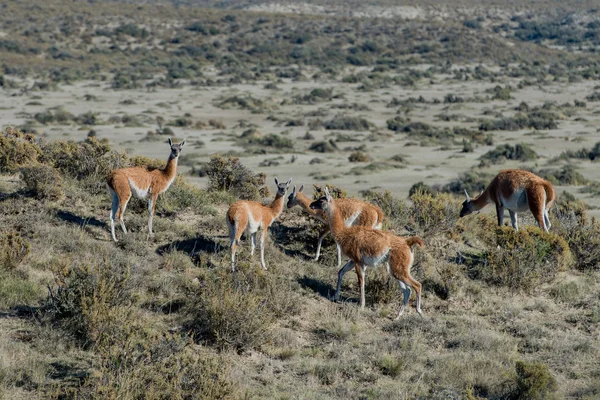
pixel 368 247
pixel 140 182
pixel 254 216
pixel 516 190
pixel 354 212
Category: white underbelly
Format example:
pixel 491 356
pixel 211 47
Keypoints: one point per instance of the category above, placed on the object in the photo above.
pixel 253 224
pixel 516 202
pixel 373 261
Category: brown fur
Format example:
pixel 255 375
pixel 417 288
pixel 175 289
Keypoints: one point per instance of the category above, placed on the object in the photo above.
pixel 368 214
pixel 362 243
pixel 242 212
pixel 540 195
pixel 151 182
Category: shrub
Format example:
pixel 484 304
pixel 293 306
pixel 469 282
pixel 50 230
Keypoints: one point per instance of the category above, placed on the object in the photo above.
pixel 397 211
pixel 90 158
pixel 583 236
pixel 17 150
pixel 520 259
pixel 91 302
pixel 43 182
pixel 471 181
pixel 348 123
pixel 421 187
pixel 584 153
pixel 181 196
pixel 359 156
pixel 335 191
pixel 567 175
pixel 534 381
pixel 227 173
pixel 520 152
pixel 433 213
pixel 533 120
pixel 13 249
pixel 237 311
pixel 159 367
pixel 323 147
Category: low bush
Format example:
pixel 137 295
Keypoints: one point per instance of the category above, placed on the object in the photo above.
pixel 433 213
pixel 533 120
pixel 226 173
pixel 359 156
pixel 91 302
pixel 43 182
pixel 237 311
pixel 17 150
pixel 589 154
pixel 341 122
pixel 582 234
pixel 534 381
pixel 519 152
pixel 397 211
pixel 335 191
pixel 149 366
pixel 520 259
pixel 471 181
pixel 567 175
pixel 88 159
pixel 324 147
pixel 13 249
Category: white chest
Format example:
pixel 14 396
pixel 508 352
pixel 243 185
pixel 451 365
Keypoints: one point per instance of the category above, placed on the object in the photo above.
pixel 169 183
pixel 138 192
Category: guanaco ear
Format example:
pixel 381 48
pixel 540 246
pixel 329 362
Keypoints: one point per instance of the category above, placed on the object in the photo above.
pixel 467 195
pixel 288 183
pixel 182 143
pixel 327 194
pixel 170 143
pixel 301 188
pixel 294 191
pixel 276 181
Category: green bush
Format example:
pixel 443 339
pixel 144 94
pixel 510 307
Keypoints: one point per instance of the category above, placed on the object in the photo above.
pixel 521 259
pixel 17 150
pixel 359 156
pixel 519 152
pixel 43 182
pixel 323 147
pixel 565 176
pixel 473 182
pixel 91 302
pixel 433 213
pixel 13 249
pixel 88 159
pixel 534 381
pixel 226 173
pixel 238 311
pixel 159 367
pixel 348 123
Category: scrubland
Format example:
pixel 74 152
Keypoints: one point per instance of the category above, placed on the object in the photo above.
pixel 405 105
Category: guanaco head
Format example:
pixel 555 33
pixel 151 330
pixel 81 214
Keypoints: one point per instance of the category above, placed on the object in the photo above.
pixel 176 148
pixel 323 202
pixel 292 201
pixel 467 206
pixel 282 187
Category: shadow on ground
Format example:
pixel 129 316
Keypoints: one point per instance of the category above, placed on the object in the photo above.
pixel 68 216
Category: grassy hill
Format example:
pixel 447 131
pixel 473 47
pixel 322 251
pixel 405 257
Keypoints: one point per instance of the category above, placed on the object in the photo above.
pixel 507 314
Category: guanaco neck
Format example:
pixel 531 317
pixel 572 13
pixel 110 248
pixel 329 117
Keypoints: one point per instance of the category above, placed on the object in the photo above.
pixel 336 222
pixel 304 202
pixel 277 205
pixel 481 201
pixel 171 169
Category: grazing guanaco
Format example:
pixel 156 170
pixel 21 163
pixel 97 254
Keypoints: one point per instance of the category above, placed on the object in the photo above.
pixel 254 216
pixel 354 212
pixel 141 182
pixel 516 190
pixel 368 247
